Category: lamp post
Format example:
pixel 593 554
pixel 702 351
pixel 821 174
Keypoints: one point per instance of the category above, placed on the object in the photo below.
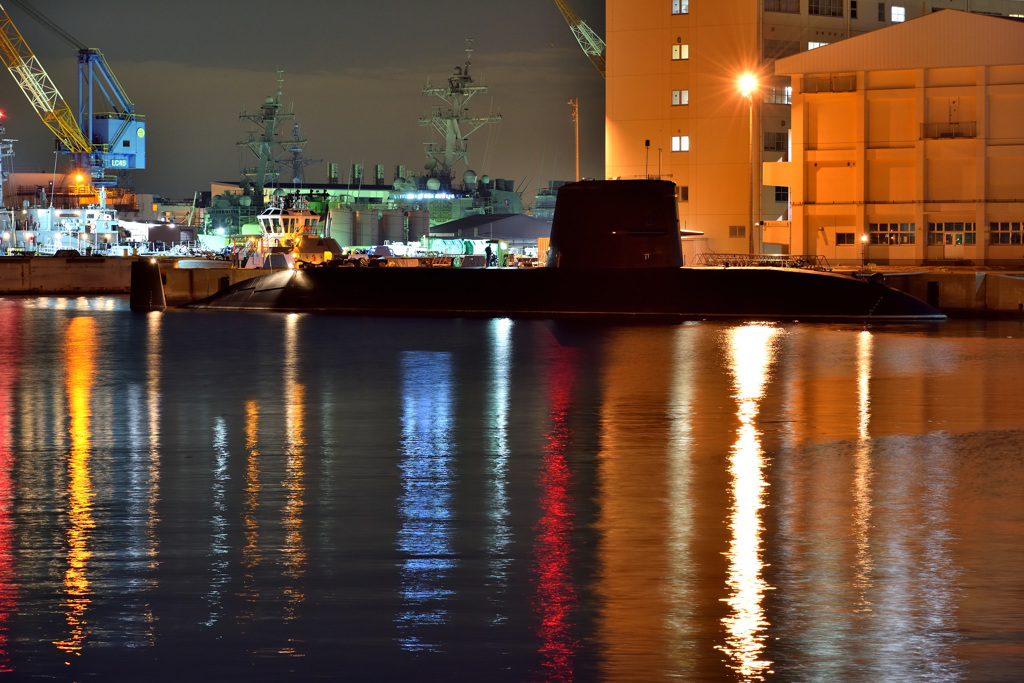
pixel 864 250
pixel 748 88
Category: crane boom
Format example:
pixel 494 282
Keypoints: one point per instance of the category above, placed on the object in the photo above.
pixel 592 44
pixel 42 94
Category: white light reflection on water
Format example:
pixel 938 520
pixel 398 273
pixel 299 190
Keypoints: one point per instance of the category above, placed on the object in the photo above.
pixel 143 470
pixel 80 349
pixel 425 538
pixel 499 536
pixel 751 352
pixel 219 545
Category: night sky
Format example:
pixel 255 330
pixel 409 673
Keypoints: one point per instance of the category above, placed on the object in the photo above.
pixel 353 75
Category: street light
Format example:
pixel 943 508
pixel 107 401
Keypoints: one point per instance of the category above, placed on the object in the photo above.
pixel 749 88
pixel 864 249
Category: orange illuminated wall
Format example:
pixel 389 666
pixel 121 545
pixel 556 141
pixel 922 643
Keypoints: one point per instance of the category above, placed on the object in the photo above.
pixel 720 43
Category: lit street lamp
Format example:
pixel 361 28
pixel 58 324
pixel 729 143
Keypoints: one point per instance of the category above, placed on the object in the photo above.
pixel 749 88
pixel 864 250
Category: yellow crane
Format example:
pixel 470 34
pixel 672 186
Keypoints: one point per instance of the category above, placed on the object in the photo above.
pixel 38 88
pixel 592 44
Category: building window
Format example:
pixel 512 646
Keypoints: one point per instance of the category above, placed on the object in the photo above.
pixel 825 8
pixel 891 233
pixel 680 97
pixel 680 51
pixel 775 142
pixel 881 11
pixel 683 193
pixel 813 45
pixel 898 14
pixel 737 231
pixel 953 233
pixel 680 143
pixel 790 6
pixel 778 95
pixel 853 9
pixel 782 194
pixel 1005 233
pixel 680 6
pixel 844 238
pixel 777 49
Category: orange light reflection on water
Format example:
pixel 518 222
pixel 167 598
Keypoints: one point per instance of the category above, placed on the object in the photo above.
pixel 751 352
pixel 80 349
pixel 295 476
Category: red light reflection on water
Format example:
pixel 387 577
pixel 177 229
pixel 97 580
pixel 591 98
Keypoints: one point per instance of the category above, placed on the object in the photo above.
pixel 555 595
pixel 10 323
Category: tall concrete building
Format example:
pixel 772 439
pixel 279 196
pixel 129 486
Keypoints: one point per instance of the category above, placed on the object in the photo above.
pixel 675 110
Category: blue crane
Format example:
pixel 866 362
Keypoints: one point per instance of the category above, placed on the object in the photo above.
pixel 101 142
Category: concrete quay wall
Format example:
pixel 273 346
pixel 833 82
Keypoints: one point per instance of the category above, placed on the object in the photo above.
pixel 60 275
pixel 47 275
pixel 968 293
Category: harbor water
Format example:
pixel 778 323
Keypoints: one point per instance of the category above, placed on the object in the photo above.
pixel 264 497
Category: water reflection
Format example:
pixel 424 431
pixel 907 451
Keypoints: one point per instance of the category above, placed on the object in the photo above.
pixel 218 524
pixel 751 352
pixel 555 596
pixel 499 535
pixel 10 357
pixel 862 473
pixel 251 555
pixel 295 470
pixel 80 349
pixel 425 537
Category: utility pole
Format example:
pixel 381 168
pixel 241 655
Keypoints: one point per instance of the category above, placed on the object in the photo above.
pixel 575 104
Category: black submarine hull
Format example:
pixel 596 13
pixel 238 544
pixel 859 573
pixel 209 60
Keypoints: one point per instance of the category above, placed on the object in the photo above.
pixel 615 252
pixel 682 293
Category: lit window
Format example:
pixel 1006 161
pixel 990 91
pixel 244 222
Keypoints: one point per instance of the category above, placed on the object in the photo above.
pixel 811 46
pixel 680 51
pixel 680 97
pixel 680 6
pixel 778 95
pixel 680 143
pixel 898 14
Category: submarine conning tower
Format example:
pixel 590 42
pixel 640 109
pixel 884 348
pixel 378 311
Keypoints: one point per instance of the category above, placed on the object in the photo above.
pixel 616 224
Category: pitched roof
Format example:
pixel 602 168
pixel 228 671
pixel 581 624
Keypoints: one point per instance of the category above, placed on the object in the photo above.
pixel 947 38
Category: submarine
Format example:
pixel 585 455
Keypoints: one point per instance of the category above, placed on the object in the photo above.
pixel 614 252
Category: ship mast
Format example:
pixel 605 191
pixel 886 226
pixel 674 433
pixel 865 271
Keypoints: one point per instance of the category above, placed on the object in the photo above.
pixel 261 142
pixel 453 121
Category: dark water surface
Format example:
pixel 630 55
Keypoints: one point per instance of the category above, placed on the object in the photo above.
pixel 259 497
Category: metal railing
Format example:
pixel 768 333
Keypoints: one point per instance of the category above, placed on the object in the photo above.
pixel 810 261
